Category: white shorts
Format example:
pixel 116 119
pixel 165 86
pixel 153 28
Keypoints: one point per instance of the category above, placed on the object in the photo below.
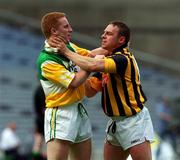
pixel 130 131
pixel 69 123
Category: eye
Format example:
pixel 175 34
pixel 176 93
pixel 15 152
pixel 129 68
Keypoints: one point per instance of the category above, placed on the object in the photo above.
pixel 109 33
pixel 66 26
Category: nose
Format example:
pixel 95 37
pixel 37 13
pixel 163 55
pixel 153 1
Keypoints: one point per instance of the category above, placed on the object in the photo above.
pixel 70 29
pixel 103 36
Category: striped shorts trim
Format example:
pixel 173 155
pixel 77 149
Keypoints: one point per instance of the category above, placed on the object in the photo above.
pixel 69 123
pixel 53 123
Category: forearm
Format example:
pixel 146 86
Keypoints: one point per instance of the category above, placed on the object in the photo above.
pixel 86 63
pixel 98 51
pixel 79 78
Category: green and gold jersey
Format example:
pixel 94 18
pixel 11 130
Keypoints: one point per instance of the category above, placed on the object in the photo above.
pixel 56 72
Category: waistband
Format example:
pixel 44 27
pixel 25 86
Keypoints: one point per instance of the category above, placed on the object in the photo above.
pixel 69 105
pixel 79 105
pixel 120 118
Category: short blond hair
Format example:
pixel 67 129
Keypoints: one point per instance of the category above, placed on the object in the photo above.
pixel 49 21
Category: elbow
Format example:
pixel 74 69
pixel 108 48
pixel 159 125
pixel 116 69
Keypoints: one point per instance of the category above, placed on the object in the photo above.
pixel 92 68
pixel 97 66
pixel 73 85
pixel 90 94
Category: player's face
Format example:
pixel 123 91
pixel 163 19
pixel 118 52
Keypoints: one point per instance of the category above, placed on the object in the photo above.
pixel 64 29
pixel 110 38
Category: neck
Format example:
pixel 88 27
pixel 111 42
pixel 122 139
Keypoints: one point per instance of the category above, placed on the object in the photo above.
pixel 119 48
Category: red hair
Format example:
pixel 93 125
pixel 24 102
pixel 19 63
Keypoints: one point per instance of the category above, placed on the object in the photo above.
pixel 50 20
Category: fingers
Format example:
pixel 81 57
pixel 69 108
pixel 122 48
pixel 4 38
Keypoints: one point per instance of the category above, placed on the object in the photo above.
pixel 52 42
pixel 99 56
pixel 56 41
pixel 61 38
pixel 62 47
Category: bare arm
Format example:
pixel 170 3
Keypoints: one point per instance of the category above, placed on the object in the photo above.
pixel 79 78
pixel 86 63
pixel 98 51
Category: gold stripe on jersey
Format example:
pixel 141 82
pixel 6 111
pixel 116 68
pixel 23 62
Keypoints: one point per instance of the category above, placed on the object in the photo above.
pixel 57 73
pixel 67 97
pixel 112 99
pixel 129 83
pixel 110 66
pixel 121 92
pixel 139 95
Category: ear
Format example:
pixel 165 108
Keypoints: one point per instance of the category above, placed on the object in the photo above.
pixel 53 31
pixel 122 39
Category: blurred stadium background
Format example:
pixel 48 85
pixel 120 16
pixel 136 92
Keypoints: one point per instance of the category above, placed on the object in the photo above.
pixel 155 27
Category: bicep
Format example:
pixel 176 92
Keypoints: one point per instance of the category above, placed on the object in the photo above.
pixel 116 64
pixel 109 65
pixel 98 51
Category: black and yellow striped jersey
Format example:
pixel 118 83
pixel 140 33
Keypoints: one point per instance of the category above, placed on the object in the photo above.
pixel 122 94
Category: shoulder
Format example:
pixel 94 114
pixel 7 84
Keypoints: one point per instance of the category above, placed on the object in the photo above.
pixel 79 50
pixel 118 57
pixel 48 56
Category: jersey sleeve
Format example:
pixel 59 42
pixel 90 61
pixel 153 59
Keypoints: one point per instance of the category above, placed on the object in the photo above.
pixel 117 63
pixel 57 73
pixel 95 83
pixel 79 50
pixel 110 65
